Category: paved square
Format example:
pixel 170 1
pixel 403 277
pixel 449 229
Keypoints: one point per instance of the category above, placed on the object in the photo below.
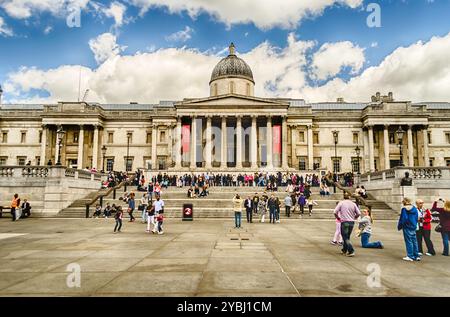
pixel 208 257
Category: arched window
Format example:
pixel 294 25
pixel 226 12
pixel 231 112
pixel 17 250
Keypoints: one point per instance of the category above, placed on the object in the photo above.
pixel 232 87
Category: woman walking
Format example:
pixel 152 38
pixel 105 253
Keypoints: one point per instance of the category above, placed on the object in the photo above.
pixel 131 206
pixel 365 225
pixel 262 207
pixel 118 217
pixel 237 207
pixel 444 217
pixel 144 206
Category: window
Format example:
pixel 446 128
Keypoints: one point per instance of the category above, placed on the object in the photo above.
pixel 4 137
pixel 76 136
pixel 429 138
pixel 317 163
pixel 302 163
pixel 316 138
pixel 232 87
pixel 447 137
pixel 162 137
pixel 301 137
pixel 23 137
pixel 355 138
pixel 110 164
pixel 21 160
pixel 40 136
pixel 356 165
pixel 149 138
pixel 336 164
pixel 129 164
pixel 110 137
pixel 3 160
pixel 447 162
pixel 391 137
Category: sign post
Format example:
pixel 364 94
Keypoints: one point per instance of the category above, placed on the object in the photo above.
pixel 188 212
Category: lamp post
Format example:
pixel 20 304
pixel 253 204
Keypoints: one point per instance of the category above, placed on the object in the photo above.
pixel 358 169
pixel 128 151
pixel 336 139
pixel 103 157
pixel 60 135
pixel 400 133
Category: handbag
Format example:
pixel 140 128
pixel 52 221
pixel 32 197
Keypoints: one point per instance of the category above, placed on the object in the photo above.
pixel 438 228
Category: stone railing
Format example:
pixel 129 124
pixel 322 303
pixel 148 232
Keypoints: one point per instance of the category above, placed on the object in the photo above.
pixel 47 171
pixel 425 173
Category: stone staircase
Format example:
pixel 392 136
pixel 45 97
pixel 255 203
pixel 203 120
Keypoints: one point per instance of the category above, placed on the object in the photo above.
pixel 219 203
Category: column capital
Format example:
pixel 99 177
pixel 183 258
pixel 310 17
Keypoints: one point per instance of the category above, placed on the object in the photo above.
pixel 386 126
pixel 44 126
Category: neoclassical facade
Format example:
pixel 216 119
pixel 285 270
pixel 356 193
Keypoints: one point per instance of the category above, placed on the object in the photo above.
pixel 231 130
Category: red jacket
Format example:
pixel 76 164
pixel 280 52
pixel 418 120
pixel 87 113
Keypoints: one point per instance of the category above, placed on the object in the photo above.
pixel 444 217
pixel 426 220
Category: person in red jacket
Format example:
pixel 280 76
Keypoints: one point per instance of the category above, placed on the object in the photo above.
pixel 444 217
pixel 424 229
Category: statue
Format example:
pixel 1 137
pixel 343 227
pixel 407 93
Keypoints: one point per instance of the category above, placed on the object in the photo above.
pixel 406 181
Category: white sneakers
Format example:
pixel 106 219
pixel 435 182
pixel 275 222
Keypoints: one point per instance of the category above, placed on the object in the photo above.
pixel 407 258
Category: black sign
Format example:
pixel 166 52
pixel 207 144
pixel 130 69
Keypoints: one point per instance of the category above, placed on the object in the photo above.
pixel 188 212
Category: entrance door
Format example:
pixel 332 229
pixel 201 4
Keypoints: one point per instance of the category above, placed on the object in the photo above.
pixel 161 163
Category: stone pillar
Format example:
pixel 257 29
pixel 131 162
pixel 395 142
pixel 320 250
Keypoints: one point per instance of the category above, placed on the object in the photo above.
pixel 43 145
pixel 310 148
pixel 284 143
pixel 223 152
pixel 426 152
pixel 193 142
pixel 239 142
pixel 80 147
pixel 410 147
pixel 371 150
pixel 170 128
pixel 95 148
pixel 178 144
pixel 154 146
pixel 387 163
pixel 293 146
pixel 208 145
pixel 269 142
pixel 57 146
pixel 254 144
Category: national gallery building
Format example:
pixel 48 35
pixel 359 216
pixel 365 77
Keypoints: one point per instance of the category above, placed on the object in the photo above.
pixel 232 130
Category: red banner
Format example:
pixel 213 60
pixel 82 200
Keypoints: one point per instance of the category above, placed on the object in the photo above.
pixel 186 137
pixel 276 134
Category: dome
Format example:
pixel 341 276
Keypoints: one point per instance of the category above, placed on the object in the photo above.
pixel 232 66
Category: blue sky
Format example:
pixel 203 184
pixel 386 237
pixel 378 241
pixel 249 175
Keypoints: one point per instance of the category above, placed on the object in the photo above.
pixel 403 24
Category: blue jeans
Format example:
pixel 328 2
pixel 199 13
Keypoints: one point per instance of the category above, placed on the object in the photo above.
pixel 237 219
pixel 272 214
pixel 412 248
pixel 366 244
pixel 445 238
pixel 346 232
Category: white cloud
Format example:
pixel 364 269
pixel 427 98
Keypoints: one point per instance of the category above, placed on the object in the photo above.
pixel 263 13
pixel 181 36
pixel 4 29
pixel 417 73
pixel 332 58
pixel 23 9
pixel 105 46
pixel 116 11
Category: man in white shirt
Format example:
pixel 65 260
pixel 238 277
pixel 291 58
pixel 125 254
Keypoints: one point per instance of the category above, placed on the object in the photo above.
pixel 158 208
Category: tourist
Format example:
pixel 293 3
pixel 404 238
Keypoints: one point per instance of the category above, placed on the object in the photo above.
pixel 365 227
pixel 444 218
pixel 98 211
pixel 424 230
pixel 347 212
pixel 143 207
pixel 249 209
pixel 337 238
pixel 307 192
pixel 151 219
pixel 150 191
pixel 107 211
pixel 262 207
pixel 158 207
pixel 302 203
pixel 26 209
pixel 288 205
pixel 408 223
pixel 272 206
pixel 255 203
pixel 118 217
pixel 15 206
pixel 363 193
pixel 131 207
pixel 237 207
pixel 160 220
pixel 311 203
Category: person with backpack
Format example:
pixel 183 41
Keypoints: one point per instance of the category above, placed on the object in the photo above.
pixel 15 206
pixel 118 217
pixel 407 222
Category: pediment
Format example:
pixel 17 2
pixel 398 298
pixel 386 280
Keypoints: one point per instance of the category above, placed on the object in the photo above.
pixel 231 101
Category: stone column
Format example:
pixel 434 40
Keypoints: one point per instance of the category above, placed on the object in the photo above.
pixel 57 146
pixel 43 145
pixel 193 142
pixel 410 147
pixel 178 144
pixel 208 145
pixel 254 144
pixel 154 146
pixel 371 150
pixel 95 148
pixel 239 142
pixel 293 146
pixel 426 153
pixel 387 163
pixel 310 148
pixel 80 147
pixel 284 144
pixel 269 142
pixel 223 152
pixel 170 128
pixel 365 157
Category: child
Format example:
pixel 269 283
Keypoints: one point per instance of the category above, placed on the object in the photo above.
pixel 337 239
pixel 151 219
pixel 118 216
pixel 160 219
pixel 365 225
pixel 311 203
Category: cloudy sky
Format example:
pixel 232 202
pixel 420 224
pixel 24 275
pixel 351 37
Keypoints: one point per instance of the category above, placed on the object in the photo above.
pixel 151 50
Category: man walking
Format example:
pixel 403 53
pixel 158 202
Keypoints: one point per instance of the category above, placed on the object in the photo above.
pixel 288 205
pixel 347 212
pixel 248 209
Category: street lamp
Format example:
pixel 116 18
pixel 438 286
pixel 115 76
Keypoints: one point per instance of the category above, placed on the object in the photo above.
pixel 60 135
pixel 103 157
pixel 358 152
pixel 128 150
pixel 400 133
pixel 336 139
